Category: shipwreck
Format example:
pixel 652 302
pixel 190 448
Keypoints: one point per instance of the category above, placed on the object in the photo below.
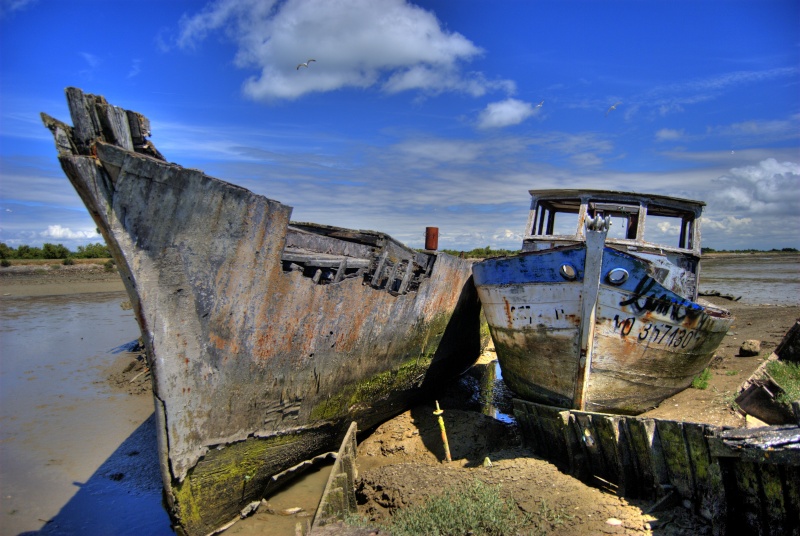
pixel 600 317
pixel 266 338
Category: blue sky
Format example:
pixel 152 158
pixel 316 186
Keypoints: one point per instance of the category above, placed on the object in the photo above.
pixel 419 114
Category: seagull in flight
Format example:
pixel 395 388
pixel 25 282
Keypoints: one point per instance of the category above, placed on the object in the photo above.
pixel 304 64
pixel 613 107
pixel 540 104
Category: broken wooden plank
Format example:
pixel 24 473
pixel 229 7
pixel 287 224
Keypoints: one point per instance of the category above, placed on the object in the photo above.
pixel 321 261
pixel 339 497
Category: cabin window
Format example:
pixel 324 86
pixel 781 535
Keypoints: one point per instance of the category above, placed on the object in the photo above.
pixel 556 217
pixel 669 227
pixel 624 218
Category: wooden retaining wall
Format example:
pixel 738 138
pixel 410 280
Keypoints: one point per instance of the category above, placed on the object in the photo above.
pixel 743 481
pixel 339 496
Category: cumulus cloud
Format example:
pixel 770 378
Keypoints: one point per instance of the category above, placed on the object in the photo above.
pixel 389 44
pixel 65 233
pixel 769 186
pixel 505 113
pixel 756 205
pixel 727 224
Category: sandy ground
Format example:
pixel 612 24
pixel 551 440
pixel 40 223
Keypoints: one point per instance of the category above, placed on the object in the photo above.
pixel 401 462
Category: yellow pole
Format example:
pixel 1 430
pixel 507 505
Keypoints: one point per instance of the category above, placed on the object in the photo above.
pixel 438 413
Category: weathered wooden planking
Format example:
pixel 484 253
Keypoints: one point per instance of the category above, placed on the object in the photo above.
pixel 647 455
pixel 772 499
pixel 772 444
pixel 546 428
pixel 676 457
pixel 339 497
pixel 790 479
pixel 600 435
pixel 707 478
pixel 743 480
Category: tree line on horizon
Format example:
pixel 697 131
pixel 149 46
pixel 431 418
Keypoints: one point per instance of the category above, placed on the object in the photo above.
pixel 101 251
pixel 54 251
pixel 487 252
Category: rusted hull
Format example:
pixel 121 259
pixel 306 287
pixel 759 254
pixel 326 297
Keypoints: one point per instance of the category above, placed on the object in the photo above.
pixel 257 364
pixel 647 343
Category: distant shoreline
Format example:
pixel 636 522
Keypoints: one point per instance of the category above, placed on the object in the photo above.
pixel 723 254
pixel 55 279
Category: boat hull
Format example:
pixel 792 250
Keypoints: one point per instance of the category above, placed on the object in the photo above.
pixel 256 364
pixel 646 341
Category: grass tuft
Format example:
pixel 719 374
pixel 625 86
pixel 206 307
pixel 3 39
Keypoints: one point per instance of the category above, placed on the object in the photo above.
pixel 474 508
pixel 788 376
pixel 701 380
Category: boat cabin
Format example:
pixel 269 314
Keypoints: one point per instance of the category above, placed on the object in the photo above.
pixel 638 221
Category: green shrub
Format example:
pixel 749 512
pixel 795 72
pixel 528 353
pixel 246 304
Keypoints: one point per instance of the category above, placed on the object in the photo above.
pixel 701 380
pixel 109 266
pixel 5 263
pixel 787 375
pixel 475 508
pixel 69 261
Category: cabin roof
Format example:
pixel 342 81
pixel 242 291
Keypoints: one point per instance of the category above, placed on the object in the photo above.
pixel 613 194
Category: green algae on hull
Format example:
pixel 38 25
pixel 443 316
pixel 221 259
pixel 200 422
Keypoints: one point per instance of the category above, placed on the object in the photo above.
pixel 234 475
pixel 408 376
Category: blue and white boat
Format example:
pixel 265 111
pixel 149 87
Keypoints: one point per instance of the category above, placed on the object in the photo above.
pixel 599 310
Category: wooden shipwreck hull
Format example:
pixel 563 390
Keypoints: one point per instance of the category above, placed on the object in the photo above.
pixel 594 323
pixel 265 338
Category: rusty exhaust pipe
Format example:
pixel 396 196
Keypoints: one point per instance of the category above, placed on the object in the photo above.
pixel 431 238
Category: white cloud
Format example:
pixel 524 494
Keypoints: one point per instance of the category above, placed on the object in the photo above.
pixel 136 68
pixel 91 59
pixel 389 44
pixel 727 224
pixel 668 134
pixel 505 113
pixel 64 233
pixel 769 186
pixel 668 228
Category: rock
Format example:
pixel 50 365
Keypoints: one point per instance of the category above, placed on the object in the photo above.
pixel 613 521
pixel 750 348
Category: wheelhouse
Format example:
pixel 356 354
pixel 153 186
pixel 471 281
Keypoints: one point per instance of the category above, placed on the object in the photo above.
pixel 638 222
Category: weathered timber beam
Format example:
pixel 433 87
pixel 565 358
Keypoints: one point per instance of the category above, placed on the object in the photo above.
pixel 324 262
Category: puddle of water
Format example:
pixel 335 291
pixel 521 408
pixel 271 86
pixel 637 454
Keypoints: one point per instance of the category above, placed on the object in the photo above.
pixel 305 492
pixel 495 397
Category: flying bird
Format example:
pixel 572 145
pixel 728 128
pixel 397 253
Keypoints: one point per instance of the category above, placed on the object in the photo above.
pixel 304 64
pixel 540 104
pixel 613 107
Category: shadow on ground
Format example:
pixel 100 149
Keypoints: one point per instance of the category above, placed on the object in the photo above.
pixel 123 497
